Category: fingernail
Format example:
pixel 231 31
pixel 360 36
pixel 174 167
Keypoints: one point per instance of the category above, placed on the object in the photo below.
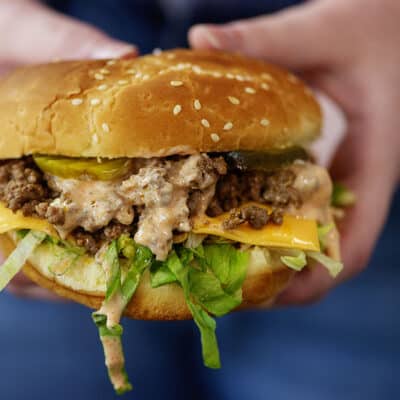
pixel 209 35
pixel 113 51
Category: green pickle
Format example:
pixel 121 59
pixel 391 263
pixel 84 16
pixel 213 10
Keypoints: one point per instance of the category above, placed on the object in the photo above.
pixel 265 161
pixel 66 167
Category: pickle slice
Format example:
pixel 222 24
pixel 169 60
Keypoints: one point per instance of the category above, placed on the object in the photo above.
pixel 264 161
pixel 66 167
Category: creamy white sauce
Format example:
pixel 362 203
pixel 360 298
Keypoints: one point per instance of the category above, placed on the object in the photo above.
pixel 90 204
pixel 315 187
pixel 160 188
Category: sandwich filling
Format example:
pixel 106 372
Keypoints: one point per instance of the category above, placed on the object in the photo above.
pixel 156 199
pixel 200 222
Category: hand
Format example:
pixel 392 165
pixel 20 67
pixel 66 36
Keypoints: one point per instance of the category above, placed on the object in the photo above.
pixel 32 33
pixel 349 50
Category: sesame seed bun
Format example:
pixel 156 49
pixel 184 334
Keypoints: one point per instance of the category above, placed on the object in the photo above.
pixel 176 102
pixel 263 283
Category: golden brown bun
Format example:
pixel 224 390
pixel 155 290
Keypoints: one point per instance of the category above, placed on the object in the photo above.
pixel 166 302
pixel 127 107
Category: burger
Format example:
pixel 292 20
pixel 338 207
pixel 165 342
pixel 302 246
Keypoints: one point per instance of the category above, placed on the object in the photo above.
pixel 166 187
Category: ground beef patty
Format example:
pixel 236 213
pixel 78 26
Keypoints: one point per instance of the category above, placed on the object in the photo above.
pixel 273 188
pixel 24 187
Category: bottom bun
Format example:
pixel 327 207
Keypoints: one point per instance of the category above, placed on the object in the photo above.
pixel 263 283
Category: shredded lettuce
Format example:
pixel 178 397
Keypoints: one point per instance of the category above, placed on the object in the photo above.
pixel 297 261
pixel 334 267
pixel 18 257
pixel 323 231
pixel 342 196
pixel 119 293
pixel 205 322
pixel 161 275
pixel 211 277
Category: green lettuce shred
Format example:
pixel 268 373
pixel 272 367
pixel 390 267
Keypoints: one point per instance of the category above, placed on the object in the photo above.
pixel 323 231
pixel 297 260
pixel 342 196
pixel 334 267
pixel 120 291
pixel 18 257
pixel 211 277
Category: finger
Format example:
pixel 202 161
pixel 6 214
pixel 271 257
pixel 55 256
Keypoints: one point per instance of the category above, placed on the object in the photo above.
pixel 44 35
pixel 288 38
pixel 360 166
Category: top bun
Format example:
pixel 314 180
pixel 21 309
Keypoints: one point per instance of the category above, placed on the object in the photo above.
pixel 176 102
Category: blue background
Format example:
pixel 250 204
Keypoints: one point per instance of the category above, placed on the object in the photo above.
pixel 346 347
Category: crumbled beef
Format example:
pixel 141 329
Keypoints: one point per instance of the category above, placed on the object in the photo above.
pixel 22 186
pixel 256 217
pixel 208 165
pixel 115 229
pixel 89 240
pixel 55 215
pixel 272 188
pixel 235 219
pixel 41 209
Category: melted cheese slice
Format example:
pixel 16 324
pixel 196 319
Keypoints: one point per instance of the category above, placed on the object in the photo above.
pixel 10 221
pixel 295 232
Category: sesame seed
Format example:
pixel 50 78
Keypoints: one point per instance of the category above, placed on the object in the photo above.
pixel 176 83
pixel 197 105
pixel 249 90
pixel 157 51
pixel 264 122
pixel 102 87
pixel 268 77
pixel 131 71
pixel 111 62
pixel 138 75
pixel 99 77
pixel 196 69
pixel 76 102
pixel 217 74
pixel 104 71
pixel 95 139
pixel 145 77
pixel 234 100
pixel 95 102
pixel 248 78
pixel 265 86
pixel 122 82
pixel 205 123
pixel 228 126
pixel 180 67
pixel 240 78
pixel 230 76
pixel 177 109
pixel 105 127
pixel 215 137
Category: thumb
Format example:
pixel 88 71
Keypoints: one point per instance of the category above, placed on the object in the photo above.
pixel 44 35
pixel 297 38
